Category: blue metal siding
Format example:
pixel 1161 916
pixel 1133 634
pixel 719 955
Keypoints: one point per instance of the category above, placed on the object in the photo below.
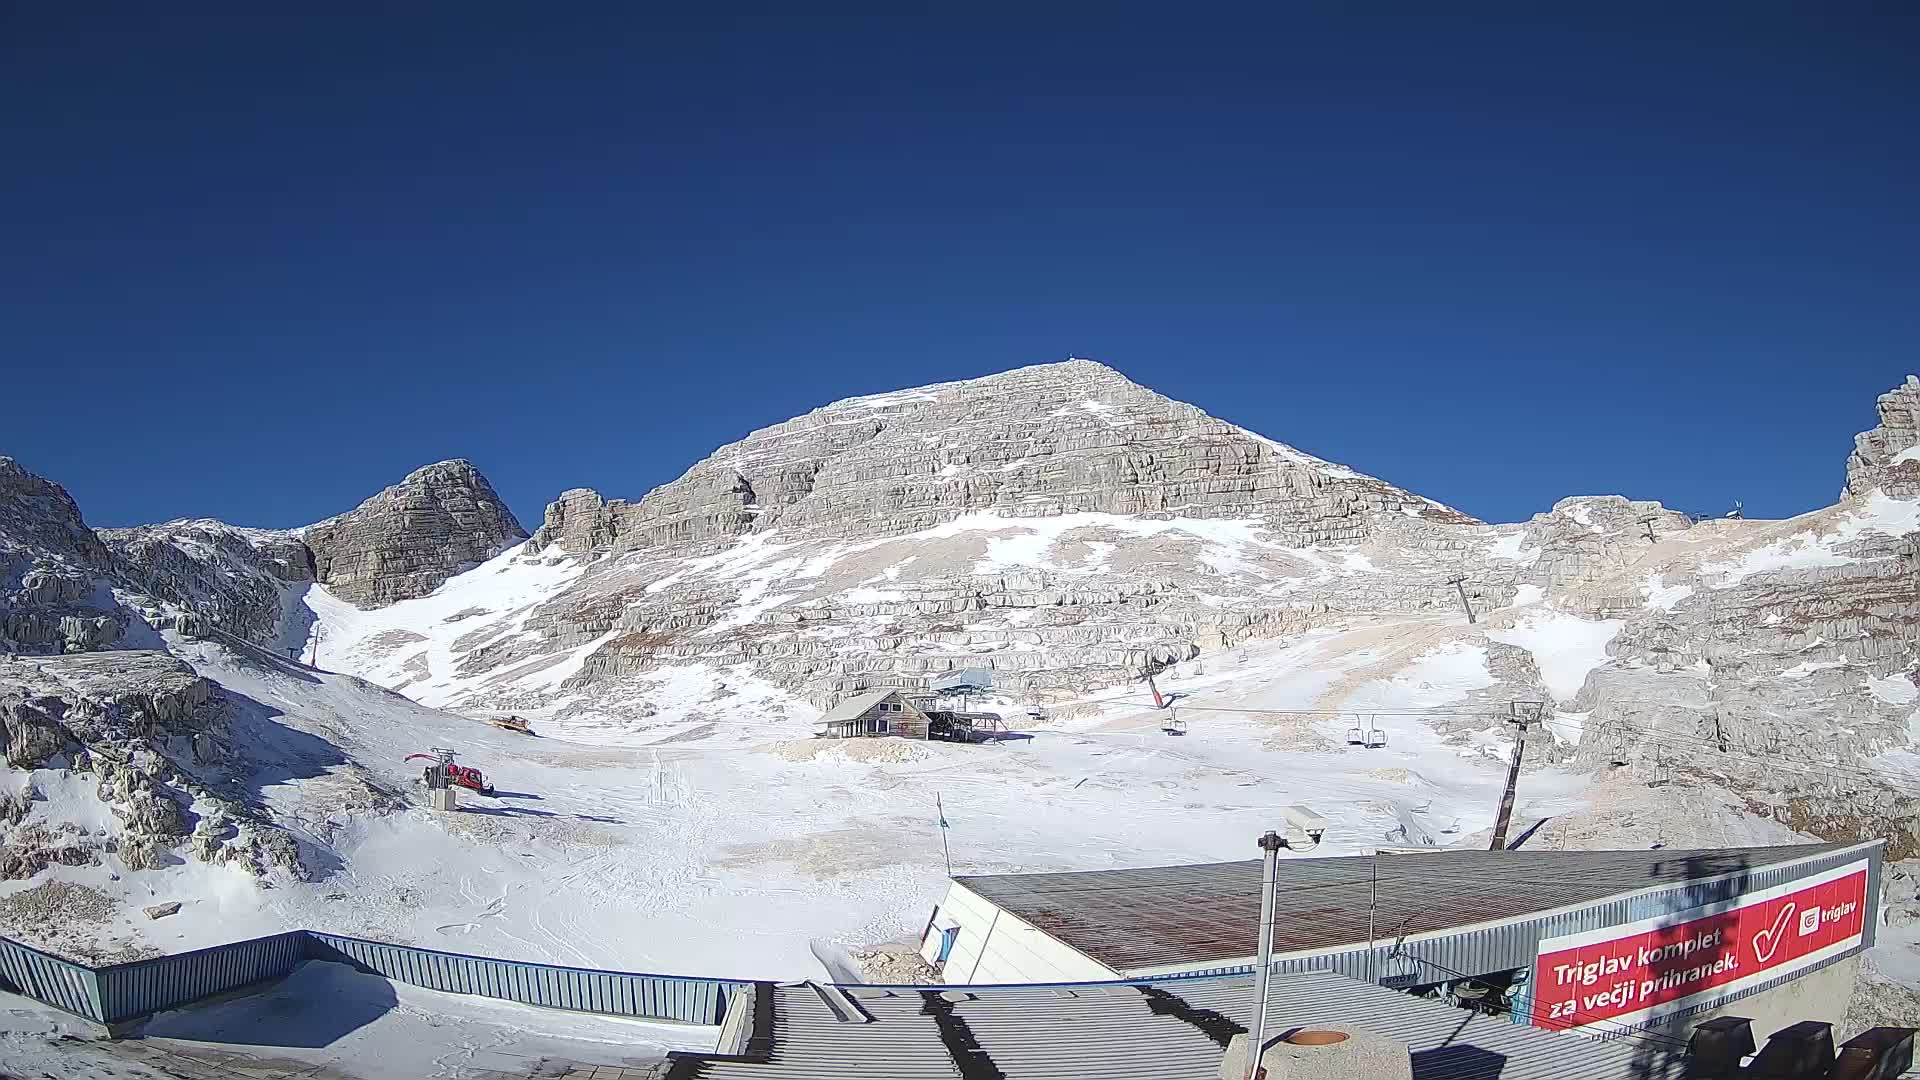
pixel 43 977
pixel 148 986
pixel 619 993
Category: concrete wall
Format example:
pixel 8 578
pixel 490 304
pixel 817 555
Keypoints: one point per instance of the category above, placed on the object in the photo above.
pixel 1820 995
pixel 995 947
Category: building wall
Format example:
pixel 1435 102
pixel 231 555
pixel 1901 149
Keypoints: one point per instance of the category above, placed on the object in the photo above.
pixel 1816 995
pixel 996 947
pixel 908 723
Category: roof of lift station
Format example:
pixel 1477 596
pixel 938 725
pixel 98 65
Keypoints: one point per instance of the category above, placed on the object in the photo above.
pixel 1157 917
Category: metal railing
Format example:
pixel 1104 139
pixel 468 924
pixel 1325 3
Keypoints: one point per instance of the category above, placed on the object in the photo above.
pixel 121 992
pixel 687 999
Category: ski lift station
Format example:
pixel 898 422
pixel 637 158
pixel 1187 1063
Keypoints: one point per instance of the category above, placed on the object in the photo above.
pixel 940 711
pixel 1544 937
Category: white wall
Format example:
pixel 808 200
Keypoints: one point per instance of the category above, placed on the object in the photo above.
pixel 996 947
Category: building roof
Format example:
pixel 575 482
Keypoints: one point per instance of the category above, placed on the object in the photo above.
pixel 854 707
pixel 1135 921
pixel 1175 1029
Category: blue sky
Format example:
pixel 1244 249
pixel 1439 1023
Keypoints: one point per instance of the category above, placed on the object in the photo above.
pixel 258 261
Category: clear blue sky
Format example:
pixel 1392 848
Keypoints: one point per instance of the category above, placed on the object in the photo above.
pixel 258 261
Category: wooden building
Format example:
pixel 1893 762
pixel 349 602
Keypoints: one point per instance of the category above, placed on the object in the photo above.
pixel 876 712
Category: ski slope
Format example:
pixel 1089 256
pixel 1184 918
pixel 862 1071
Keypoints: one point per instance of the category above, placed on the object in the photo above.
pixel 729 855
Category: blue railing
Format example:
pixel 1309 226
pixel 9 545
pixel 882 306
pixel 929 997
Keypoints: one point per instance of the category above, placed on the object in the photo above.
pixel 44 977
pixel 619 993
pixel 121 992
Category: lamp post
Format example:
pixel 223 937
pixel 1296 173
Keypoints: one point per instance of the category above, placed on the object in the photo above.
pixel 1270 846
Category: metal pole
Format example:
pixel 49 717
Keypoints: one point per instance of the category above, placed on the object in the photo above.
pixel 944 853
pixel 1270 846
pixel 1460 583
pixel 1373 896
pixel 1513 777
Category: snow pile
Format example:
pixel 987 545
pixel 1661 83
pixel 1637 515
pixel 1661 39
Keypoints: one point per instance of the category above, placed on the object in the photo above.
pixel 1565 648
pixel 1664 597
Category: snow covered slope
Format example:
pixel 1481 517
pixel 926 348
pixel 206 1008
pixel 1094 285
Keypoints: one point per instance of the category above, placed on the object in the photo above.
pixel 1697 682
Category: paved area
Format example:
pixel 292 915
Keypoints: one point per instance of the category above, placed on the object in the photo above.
pixel 328 1022
pixel 67 1057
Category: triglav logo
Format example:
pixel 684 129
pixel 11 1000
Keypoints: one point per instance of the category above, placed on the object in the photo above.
pixel 1809 922
pixel 1766 942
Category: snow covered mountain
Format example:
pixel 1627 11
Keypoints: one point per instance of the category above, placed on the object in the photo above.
pixel 1700 681
pixel 1071 531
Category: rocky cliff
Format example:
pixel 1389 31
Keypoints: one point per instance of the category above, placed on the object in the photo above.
pixel 54 594
pixel 1888 457
pixel 1073 437
pixel 1057 524
pixel 92 705
pixel 405 541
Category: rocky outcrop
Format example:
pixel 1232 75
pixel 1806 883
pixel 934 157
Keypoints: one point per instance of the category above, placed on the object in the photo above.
pixel 405 541
pixel 1888 457
pixel 119 717
pixel 54 572
pixel 1035 442
pixel 217 576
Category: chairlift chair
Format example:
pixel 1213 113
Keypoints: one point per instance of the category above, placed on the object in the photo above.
pixel 1174 725
pixel 1662 774
pixel 1376 738
pixel 1356 736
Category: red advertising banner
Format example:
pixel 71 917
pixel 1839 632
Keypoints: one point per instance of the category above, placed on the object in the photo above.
pixel 1626 974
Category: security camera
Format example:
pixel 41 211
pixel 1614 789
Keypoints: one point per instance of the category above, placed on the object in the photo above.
pixel 1302 818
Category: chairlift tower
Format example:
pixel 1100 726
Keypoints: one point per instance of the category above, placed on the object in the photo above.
pixel 1459 582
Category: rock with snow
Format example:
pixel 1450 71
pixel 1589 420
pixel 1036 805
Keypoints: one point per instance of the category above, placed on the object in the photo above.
pixel 54 572
pixel 1067 438
pixel 217 577
pixel 406 540
pixel 1888 456
pixel 161 911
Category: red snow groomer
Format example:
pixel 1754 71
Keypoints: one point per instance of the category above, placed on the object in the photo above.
pixel 457 775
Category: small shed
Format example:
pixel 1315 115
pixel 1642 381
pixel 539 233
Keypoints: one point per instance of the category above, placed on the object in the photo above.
pixel 876 712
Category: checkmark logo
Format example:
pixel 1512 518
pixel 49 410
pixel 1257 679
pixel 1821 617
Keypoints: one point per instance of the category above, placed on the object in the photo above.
pixel 1767 942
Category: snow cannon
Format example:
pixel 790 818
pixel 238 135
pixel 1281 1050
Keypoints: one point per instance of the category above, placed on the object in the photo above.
pixel 457 775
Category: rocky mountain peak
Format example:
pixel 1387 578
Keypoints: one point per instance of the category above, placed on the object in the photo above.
pixel 36 512
pixel 51 568
pixel 1039 441
pixel 406 540
pixel 1888 456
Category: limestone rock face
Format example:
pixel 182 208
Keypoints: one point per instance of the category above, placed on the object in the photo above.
pixel 220 577
pixel 1888 457
pixel 115 715
pixel 1039 441
pixel 405 541
pixel 54 571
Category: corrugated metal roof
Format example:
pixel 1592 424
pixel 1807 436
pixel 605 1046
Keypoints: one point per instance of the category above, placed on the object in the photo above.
pixel 1168 1031
pixel 854 707
pixel 1156 917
